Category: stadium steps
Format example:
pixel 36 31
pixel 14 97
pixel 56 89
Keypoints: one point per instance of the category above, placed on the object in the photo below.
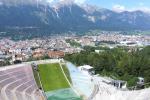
pixel 17 83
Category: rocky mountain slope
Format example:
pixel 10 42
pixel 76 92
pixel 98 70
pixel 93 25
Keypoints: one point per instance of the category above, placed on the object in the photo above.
pixel 63 17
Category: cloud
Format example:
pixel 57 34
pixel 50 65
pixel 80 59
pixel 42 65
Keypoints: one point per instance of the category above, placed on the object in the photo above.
pixel 74 1
pixel 144 9
pixel 1 3
pixel 66 1
pixel 12 2
pixel 141 4
pixel 80 1
pixel 50 1
pixel 118 8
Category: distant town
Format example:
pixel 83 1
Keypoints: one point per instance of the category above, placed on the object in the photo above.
pixel 12 52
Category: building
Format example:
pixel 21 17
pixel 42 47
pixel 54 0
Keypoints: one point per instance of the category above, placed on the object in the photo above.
pixel 4 56
pixel 99 51
pixel 56 54
pixel 18 58
pixel 38 53
pixel 118 83
pixel 140 83
pixel 87 70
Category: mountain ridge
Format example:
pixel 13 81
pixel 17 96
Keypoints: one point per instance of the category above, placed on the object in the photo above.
pixel 70 17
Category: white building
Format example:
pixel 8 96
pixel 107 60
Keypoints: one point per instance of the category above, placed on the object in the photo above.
pixel 87 69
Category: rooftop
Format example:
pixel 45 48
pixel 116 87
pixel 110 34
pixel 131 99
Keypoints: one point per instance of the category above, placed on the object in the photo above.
pixel 86 67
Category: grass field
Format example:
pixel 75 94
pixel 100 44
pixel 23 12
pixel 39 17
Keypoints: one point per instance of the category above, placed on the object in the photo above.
pixel 67 72
pixel 52 77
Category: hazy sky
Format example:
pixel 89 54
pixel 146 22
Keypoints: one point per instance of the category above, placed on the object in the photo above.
pixel 122 4
pixel 126 3
pixel 117 5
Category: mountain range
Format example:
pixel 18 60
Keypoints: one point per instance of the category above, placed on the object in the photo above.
pixel 70 17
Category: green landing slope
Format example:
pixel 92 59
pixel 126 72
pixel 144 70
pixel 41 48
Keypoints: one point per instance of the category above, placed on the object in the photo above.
pixel 52 77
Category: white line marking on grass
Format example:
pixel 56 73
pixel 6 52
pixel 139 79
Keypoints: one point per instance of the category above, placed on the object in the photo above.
pixel 68 80
pixel 43 92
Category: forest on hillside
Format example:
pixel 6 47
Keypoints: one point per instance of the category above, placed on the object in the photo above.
pixel 117 63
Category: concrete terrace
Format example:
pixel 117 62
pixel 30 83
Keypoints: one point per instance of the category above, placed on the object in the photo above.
pixel 17 83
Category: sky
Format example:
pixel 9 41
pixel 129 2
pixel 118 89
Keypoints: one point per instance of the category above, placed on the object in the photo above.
pixel 116 5
pixel 121 5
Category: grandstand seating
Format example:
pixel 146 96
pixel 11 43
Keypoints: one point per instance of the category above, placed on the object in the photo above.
pixel 17 83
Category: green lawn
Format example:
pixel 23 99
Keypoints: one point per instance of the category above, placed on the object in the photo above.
pixel 51 77
pixel 67 72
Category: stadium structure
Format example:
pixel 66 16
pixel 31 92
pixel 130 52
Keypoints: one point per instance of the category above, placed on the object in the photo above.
pixel 18 82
